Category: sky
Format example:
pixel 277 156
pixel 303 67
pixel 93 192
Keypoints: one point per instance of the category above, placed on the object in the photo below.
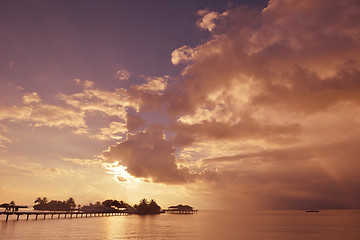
pixel 215 104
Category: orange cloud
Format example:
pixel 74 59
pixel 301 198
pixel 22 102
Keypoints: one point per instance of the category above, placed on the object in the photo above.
pixel 148 155
pixel 29 98
pixel 122 74
pixel 182 54
pixel 34 169
pixel 154 84
pixel 41 114
pixel 280 86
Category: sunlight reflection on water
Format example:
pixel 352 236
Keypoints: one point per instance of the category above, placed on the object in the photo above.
pixel 204 225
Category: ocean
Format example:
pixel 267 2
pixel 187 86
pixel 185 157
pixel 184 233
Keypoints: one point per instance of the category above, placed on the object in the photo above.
pixel 259 225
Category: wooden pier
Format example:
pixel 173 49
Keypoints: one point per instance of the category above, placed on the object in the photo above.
pixel 62 214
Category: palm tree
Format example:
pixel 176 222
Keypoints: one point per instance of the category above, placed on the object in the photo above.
pixel 143 205
pixel 71 202
pixel 153 206
pixel 41 201
pixel 109 203
pixel 144 202
pixel 38 200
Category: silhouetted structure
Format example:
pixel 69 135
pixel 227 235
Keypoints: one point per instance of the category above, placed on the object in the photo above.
pixel 115 203
pixel 11 207
pixel 96 208
pixel 106 208
pixel 181 209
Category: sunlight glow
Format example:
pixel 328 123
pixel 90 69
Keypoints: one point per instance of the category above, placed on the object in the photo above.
pixel 120 174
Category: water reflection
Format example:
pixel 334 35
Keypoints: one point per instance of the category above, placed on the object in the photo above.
pixel 257 225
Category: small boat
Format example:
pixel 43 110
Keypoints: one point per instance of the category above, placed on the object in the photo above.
pixel 312 211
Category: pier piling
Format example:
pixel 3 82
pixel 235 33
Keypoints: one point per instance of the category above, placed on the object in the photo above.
pixel 77 214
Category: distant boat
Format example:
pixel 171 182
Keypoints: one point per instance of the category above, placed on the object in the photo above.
pixel 312 211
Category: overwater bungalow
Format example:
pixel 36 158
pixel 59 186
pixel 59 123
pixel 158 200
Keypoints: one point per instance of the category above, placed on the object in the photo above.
pixel 181 209
pixel 9 207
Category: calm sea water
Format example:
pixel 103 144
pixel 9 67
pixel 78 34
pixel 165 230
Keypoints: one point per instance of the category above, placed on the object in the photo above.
pixel 259 225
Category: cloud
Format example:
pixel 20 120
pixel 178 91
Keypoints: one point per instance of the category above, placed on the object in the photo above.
pixel 113 131
pixel 38 170
pixel 56 116
pixel 269 101
pixel 207 21
pixel 3 140
pixel 83 162
pixel 15 112
pixel 42 114
pixel 275 58
pixel 94 99
pixel 117 103
pixel 255 111
pixel 148 155
pixel 85 83
pixel 154 84
pixel 29 98
pixel 122 74
pixel 182 55
pixel 82 107
pixel 320 176
pixel 245 129
pixel 133 122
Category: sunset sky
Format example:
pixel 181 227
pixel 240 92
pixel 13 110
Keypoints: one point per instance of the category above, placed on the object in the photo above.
pixel 215 104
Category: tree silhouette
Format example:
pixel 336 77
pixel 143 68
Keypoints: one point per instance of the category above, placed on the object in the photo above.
pixel 108 203
pixel 146 207
pixel 54 205
pixel 41 201
pixel 153 206
pixel 71 203
pixel 115 203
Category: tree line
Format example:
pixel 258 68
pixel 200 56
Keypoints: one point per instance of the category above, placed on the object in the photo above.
pixel 144 207
pixel 54 205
